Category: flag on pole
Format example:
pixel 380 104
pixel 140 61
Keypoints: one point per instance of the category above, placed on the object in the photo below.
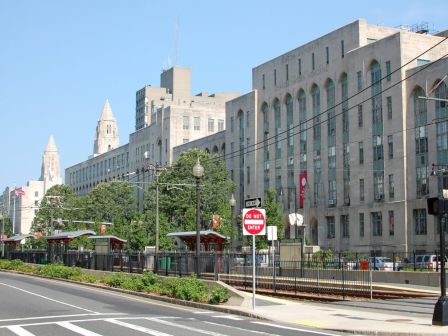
pixel 19 192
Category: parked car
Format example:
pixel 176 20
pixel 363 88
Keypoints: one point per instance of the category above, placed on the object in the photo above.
pixel 381 263
pixel 430 262
pixel 407 263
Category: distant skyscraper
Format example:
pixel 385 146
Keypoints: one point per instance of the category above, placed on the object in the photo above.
pixel 106 137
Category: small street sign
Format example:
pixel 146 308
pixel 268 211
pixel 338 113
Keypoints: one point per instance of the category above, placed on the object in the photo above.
pixel 254 222
pixel 253 203
pixel 272 232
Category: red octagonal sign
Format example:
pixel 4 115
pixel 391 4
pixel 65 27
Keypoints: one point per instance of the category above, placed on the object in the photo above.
pixel 254 222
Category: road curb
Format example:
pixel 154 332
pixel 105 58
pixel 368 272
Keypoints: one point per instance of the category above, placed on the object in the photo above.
pixel 199 305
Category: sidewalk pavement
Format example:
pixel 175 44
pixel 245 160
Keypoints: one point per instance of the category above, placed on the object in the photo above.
pixel 339 318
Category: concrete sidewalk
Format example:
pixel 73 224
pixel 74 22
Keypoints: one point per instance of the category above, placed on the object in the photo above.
pixel 339 318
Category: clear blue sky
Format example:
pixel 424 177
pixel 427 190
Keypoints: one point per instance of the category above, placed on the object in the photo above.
pixel 60 60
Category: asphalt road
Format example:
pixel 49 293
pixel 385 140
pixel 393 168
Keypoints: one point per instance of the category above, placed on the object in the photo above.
pixel 34 306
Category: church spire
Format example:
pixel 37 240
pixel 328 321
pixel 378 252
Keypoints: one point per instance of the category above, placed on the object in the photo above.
pixel 51 168
pixel 106 137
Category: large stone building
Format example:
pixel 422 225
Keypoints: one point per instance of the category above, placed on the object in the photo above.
pixel 21 204
pixel 337 127
pixel 166 117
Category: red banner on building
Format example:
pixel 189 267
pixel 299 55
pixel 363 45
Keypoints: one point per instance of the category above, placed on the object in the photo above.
pixel 303 183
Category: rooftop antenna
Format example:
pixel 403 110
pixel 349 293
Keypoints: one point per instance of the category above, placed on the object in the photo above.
pixel 176 42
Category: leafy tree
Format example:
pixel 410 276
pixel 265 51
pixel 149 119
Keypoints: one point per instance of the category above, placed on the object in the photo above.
pixel 55 205
pixel 274 217
pixel 177 195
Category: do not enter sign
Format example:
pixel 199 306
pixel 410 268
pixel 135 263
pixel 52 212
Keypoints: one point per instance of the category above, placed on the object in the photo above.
pixel 254 222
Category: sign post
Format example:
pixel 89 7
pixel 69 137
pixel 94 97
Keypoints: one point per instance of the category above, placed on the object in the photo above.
pixel 272 236
pixel 254 224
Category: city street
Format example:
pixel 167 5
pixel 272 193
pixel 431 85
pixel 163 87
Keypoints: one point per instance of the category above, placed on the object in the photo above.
pixel 35 306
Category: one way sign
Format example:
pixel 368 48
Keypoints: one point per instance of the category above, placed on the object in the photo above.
pixel 253 203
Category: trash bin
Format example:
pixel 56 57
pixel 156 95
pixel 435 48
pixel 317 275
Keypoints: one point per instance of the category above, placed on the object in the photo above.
pixel 364 265
pixel 165 263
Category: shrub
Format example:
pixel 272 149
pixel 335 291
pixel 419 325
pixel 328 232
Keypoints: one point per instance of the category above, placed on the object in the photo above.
pixel 190 289
pixel 58 271
pixel 219 295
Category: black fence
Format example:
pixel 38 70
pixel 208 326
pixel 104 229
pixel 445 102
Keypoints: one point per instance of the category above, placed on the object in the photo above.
pixel 342 274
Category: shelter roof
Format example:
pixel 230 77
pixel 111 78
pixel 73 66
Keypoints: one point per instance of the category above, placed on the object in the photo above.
pixel 18 239
pixel 70 235
pixel 207 236
pixel 111 238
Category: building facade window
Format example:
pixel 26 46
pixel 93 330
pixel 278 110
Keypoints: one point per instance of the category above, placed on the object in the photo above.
pixel 300 67
pixel 186 122
pixel 220 125
pixel 361 152
pixel 331 234
pixel 389 107
pixel 361 190
pixel 197 123
pixel 211 125
pixel 421 142
pixel 263 79
pixel 390 146
pixel 275 76
pixel 359 80
pixel 312 62
pixel 420 221
pixel 345 226
pixel 287 72
pixel 327 55
pixel 391 223
pixel 360 116
pixel 388 71
pixel 232 124
pixel 303 130
pixel 391 186
pixel 342 49
pixel 361 225
pixel 377 224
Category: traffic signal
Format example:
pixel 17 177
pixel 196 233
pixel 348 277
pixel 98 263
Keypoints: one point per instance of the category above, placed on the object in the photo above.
pixel 437 206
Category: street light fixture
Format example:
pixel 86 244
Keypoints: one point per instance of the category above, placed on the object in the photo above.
pixel 232 203
pixel 198 173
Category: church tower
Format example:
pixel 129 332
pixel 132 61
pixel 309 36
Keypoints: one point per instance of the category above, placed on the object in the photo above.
pixel 51 168
pixel 106 132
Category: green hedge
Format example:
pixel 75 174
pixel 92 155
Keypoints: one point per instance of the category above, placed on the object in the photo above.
pixel 186 288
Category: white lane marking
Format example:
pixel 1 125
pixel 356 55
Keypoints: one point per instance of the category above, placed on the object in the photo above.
pixel 55 316
pixel 292 328
pixel 230 317
pixel 53 322
pixel 205 312
pixel 241 329
pixel 184 327
pixel 50 299
pixel 20 331
pixel 138 328
pixel 77 329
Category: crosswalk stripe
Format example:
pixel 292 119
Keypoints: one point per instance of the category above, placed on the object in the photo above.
pixel 241 329
pixel 172 324
pixel 230 317
pixel 77 329
pixel 20 331
pixel 138 328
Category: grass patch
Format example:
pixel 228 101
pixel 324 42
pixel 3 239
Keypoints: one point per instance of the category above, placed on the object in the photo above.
pixel 185 288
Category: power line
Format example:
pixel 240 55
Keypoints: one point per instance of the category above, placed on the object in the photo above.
pixel 262 142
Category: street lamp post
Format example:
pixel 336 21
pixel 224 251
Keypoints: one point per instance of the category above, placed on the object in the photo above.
pixel 232 203
pixel 440 314
pixel 198 172
pixel 3 234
